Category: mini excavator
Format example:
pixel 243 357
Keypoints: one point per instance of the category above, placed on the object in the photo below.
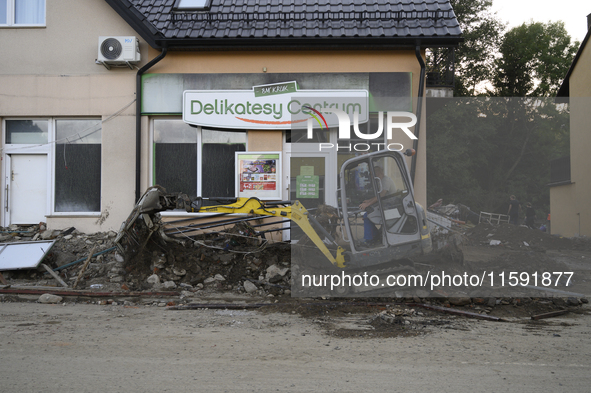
pixel 378 218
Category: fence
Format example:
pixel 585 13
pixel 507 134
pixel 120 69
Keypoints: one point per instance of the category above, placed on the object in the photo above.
pixel 493 218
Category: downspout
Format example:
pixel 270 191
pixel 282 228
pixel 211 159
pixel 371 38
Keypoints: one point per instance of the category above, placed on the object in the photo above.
pixel 415 144
pixel 138 120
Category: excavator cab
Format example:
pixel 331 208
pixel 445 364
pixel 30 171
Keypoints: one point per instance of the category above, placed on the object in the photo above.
pixel 380 219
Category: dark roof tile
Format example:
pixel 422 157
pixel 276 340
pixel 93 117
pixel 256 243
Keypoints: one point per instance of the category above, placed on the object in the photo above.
pixel 298 19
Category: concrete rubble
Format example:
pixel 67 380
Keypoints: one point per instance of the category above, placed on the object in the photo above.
pixel 172 273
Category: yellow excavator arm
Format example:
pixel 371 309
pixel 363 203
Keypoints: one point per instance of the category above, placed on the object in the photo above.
pixel 156 200
pixel 296 212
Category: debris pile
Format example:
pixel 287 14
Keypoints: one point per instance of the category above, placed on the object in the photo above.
pixel 221 263
pixel 520 237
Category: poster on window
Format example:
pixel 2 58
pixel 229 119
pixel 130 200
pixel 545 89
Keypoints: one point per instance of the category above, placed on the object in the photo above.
pixel 258 174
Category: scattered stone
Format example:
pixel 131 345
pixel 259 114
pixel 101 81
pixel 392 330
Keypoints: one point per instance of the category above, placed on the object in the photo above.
pixel 47 235
pixel 117 279
pixel 275 270
pixel 559 302
pixel 187 294
pixel 179 272
pixel 169 284
pixel 249 287
pixel 153 279
pixel 48 298
pixel 460 301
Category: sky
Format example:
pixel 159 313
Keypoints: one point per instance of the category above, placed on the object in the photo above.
pixel 572 12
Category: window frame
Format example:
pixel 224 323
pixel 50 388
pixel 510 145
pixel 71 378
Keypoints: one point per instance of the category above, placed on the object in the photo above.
pixel 177 7
pixel 53 148
pixel 11 16
pixel 199 142
pixel 49 149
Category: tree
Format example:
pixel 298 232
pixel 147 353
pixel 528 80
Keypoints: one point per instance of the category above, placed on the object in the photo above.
pixel 482 35
pixel 482 149
pixel 534 58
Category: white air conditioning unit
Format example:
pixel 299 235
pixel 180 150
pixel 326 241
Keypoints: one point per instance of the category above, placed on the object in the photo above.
pixel 118 50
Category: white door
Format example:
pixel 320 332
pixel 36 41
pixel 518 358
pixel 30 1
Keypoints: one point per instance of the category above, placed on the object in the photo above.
pixel 27 201
pixel 324 164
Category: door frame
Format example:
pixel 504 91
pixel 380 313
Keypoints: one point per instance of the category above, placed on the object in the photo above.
pixel 24 149
pixel 330 166
pixel 7 192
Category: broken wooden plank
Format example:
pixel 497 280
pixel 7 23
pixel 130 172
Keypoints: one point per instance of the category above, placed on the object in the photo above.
pixel 84 267
pixel 457 312
pixel 2 279
pixel 550 314
pixel 55 275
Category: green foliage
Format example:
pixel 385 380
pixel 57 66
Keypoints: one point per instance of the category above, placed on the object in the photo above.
pixel 481 150
pixel 534 59
pixel 482 31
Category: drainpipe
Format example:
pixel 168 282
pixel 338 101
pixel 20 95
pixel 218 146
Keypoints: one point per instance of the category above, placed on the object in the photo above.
pixel 138 121
pixel 420 96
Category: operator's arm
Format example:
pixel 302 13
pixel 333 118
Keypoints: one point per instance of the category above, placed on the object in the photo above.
pixel 385 191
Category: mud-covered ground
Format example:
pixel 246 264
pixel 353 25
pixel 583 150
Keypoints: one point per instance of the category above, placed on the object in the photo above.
pixel 236 264
pixel 218 315
pixel 80 347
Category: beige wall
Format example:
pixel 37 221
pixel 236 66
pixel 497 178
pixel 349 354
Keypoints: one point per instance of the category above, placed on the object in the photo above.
pixel 570 205
pixel 301 62
pixel 51 71
pixel 264 140
pixel 68 45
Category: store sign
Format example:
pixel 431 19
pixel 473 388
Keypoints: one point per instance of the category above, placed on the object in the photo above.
pixel 276 106
pixel 274 89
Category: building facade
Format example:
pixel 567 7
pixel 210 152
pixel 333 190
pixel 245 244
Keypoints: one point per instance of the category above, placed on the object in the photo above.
pixel 83 136
pixel 570 190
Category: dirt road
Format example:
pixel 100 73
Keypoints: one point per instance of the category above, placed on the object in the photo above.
pixel 92 348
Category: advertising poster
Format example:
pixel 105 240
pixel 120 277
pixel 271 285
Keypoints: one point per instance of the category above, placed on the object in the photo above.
pixel 259 175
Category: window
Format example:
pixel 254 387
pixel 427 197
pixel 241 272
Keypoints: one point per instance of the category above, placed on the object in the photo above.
pixel 72 148
pixel 192 5
pixel 175 157
pixel 25 132
pixel 195 161
pixel 78 166
pixel 22 12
